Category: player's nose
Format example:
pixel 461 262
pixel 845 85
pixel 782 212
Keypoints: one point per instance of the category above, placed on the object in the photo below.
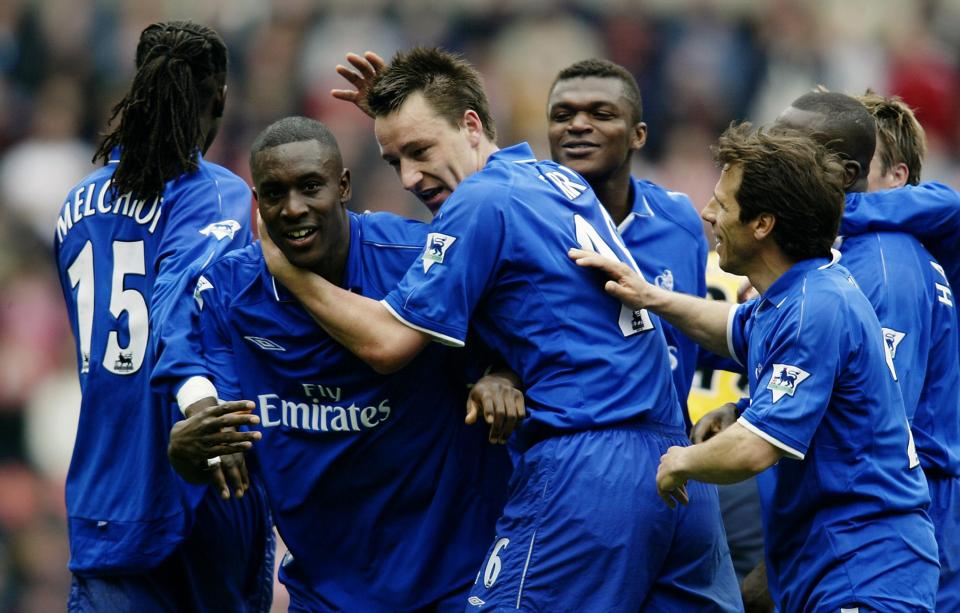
pixel 410 176
pixel 295 205
pixel 579 123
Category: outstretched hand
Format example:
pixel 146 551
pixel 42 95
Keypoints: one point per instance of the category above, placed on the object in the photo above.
pixel 367 66
pixel 625 284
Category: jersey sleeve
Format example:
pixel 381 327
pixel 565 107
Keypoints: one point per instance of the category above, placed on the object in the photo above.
pixel 216 349
pixel 929 211
pixel 201 227
pixel 794 385
pixel 737 341
pixel 458 264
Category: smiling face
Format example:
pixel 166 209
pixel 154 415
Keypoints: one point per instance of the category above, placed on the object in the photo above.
pixel 591 127
pixel 301 192
pixel 431 156
pixel 735 242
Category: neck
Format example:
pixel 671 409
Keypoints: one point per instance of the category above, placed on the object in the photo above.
pixel 615 193
pixel 334 264
pixel 485 149
pixel 767 268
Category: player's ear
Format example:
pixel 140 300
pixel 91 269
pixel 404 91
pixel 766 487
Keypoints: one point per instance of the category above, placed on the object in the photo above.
pixel 901 174
pixel 474 127
pixel 345 189
pixel 763 225
pixel 851 173
pixel 638 136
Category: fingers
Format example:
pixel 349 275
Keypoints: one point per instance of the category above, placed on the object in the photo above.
pixel 494 410
pixel 219 482
pixel 358 80
pixel 235 474
pixel 520 404
pixel 590 259
pixel 348 95
pixel 378 63
pixel 473 410
pixel 262 231
pixel 231 406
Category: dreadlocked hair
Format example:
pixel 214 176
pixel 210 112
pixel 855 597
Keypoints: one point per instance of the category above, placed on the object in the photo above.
pixel 159 131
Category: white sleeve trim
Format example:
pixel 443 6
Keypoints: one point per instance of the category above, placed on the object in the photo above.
pixel 194 389
pixel 793 453
pixel 733 353
pixel 440 338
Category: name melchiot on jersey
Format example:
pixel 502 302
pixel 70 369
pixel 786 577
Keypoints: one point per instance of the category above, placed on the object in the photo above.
pixel 316 416
pixel 93 199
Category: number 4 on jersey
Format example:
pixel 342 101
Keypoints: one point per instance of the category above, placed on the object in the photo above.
pixel 632 321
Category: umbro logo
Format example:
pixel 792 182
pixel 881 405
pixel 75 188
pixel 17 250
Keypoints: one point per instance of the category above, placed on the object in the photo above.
pixel 476 601
pixel 264 343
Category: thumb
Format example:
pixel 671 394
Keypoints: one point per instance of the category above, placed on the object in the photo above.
pixel 472 411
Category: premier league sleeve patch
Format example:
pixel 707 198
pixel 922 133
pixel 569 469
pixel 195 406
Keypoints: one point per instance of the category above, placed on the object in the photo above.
pixel 785 380
pixel 436 249
pixel 202 285
pixel 222 229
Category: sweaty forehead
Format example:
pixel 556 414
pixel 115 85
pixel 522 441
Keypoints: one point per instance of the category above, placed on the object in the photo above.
pixel 588 90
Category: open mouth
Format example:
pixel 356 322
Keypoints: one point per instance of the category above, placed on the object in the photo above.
pixel 579 147
pixel 432 197
pixel 299 237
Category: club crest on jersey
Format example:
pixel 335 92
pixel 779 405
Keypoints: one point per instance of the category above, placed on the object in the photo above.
pixel 665 280
pixel 436 249
pixel 785 379
pixel 202 285
pixel 222 229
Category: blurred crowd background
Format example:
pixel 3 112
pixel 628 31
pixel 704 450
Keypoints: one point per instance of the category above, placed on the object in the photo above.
pixel 700 64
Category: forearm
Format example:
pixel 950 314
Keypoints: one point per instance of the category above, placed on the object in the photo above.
pixel 703 321
pixel 362 325
pixel 732 456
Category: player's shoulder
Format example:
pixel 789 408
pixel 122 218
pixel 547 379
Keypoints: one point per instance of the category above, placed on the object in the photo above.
pixel 237 265
pixel 671 205
pixel 389 231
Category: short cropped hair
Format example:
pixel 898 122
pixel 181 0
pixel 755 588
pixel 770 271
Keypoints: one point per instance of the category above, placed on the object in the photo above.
pixel 606 69
pixel 902 135
pixel 447 81
pixel 294 130
pixel 847 127
pixel 789 175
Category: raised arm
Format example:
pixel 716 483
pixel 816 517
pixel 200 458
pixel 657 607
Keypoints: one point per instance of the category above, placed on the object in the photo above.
pixel 704 321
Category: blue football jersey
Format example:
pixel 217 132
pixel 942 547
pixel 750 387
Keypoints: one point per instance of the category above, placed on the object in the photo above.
pixel 496 260
pixel 665 237
pixel 376 485
pixel 929 211
pixel 123 263
pixel 846 521
pixel 900 279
